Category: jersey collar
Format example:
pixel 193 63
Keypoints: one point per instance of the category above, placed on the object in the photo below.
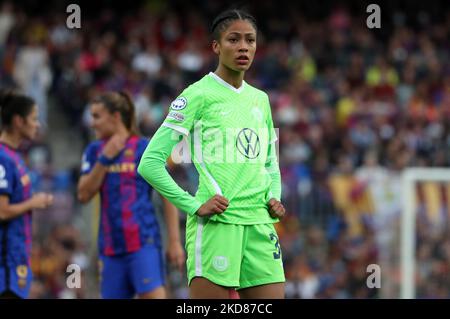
pixel 226 84
pixel 9 146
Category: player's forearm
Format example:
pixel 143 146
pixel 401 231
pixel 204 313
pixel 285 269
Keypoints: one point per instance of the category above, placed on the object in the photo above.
pixel 273 170
pixel 152 169
pixel 90 184
pixel 11 211
pixel 172 221
pixel 275 187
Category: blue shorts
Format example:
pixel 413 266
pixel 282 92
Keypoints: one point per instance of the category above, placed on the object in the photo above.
pixel 124 276
pixel 16 279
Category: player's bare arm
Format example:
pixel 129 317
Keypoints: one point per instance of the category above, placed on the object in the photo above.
pixel 37 201
pixel 175 252
pixel 90 184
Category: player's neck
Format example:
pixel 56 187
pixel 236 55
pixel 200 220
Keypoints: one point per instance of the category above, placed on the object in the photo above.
pixel 233 78
pixel 11 139
pixel 122 131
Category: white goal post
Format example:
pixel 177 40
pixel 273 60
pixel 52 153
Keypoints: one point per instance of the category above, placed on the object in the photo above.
pixel 410 177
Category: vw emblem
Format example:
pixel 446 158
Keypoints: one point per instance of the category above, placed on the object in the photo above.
pixel 220 263
pixel 248 143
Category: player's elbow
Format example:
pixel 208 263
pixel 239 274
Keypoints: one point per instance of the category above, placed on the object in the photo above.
pixel 3 216
pixel 143 171
pixel 140 169
pixel 83 196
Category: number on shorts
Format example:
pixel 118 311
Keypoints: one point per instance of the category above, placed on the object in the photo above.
pixel 276 255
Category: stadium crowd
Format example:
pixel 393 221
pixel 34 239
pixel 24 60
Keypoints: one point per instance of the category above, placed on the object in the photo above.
pixel 354 107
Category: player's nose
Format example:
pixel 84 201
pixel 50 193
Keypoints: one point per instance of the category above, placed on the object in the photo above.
pixel 243 46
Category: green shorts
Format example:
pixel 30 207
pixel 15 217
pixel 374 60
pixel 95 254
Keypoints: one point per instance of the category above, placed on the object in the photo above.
pixel 231 255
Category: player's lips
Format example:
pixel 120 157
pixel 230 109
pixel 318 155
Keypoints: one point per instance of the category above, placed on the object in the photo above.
pixel 242 59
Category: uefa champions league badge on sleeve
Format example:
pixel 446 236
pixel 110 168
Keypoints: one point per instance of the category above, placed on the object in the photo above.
pixel 179 104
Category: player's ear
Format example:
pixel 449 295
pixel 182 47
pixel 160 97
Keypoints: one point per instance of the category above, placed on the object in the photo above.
pixel 18 121
pixel 117 116
pixel 216 47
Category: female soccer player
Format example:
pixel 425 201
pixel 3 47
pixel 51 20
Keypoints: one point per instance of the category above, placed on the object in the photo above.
pixel 131 262
pixel 19 118
pixel 230 237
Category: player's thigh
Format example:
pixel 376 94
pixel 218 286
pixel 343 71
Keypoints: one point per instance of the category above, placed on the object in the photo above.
pixel 114 280
pixel 268 291
pixel 262 259
pixel 158 293
pixel 214 251
pixel 202 288
pixel 146 268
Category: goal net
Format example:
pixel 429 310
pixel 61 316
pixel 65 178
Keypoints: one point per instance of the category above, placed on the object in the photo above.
pixel 425 234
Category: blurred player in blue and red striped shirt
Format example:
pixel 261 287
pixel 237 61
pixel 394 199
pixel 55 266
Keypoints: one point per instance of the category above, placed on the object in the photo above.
pixel 19 119
pixel 131 260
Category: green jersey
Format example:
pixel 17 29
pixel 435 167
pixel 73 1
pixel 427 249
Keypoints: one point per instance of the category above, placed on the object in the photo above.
pixel 229 132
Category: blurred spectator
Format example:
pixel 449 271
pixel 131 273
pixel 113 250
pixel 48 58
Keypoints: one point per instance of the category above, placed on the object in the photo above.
pixel 32 72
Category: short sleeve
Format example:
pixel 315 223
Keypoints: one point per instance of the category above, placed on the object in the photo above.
pixel 7 173
pixel 184 110
pixel 89 158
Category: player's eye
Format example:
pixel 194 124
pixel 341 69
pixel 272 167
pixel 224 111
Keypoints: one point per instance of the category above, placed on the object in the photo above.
pixel 232 40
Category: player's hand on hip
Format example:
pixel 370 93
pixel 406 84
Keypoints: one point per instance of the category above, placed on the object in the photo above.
pixel 41 200
pixel 215 205
pixel 115 144
pixel 276 209
pixel 175 254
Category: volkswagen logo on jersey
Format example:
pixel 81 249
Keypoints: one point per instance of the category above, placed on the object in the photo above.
pixel 248 143
pixel 220 263
pixel 179 104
